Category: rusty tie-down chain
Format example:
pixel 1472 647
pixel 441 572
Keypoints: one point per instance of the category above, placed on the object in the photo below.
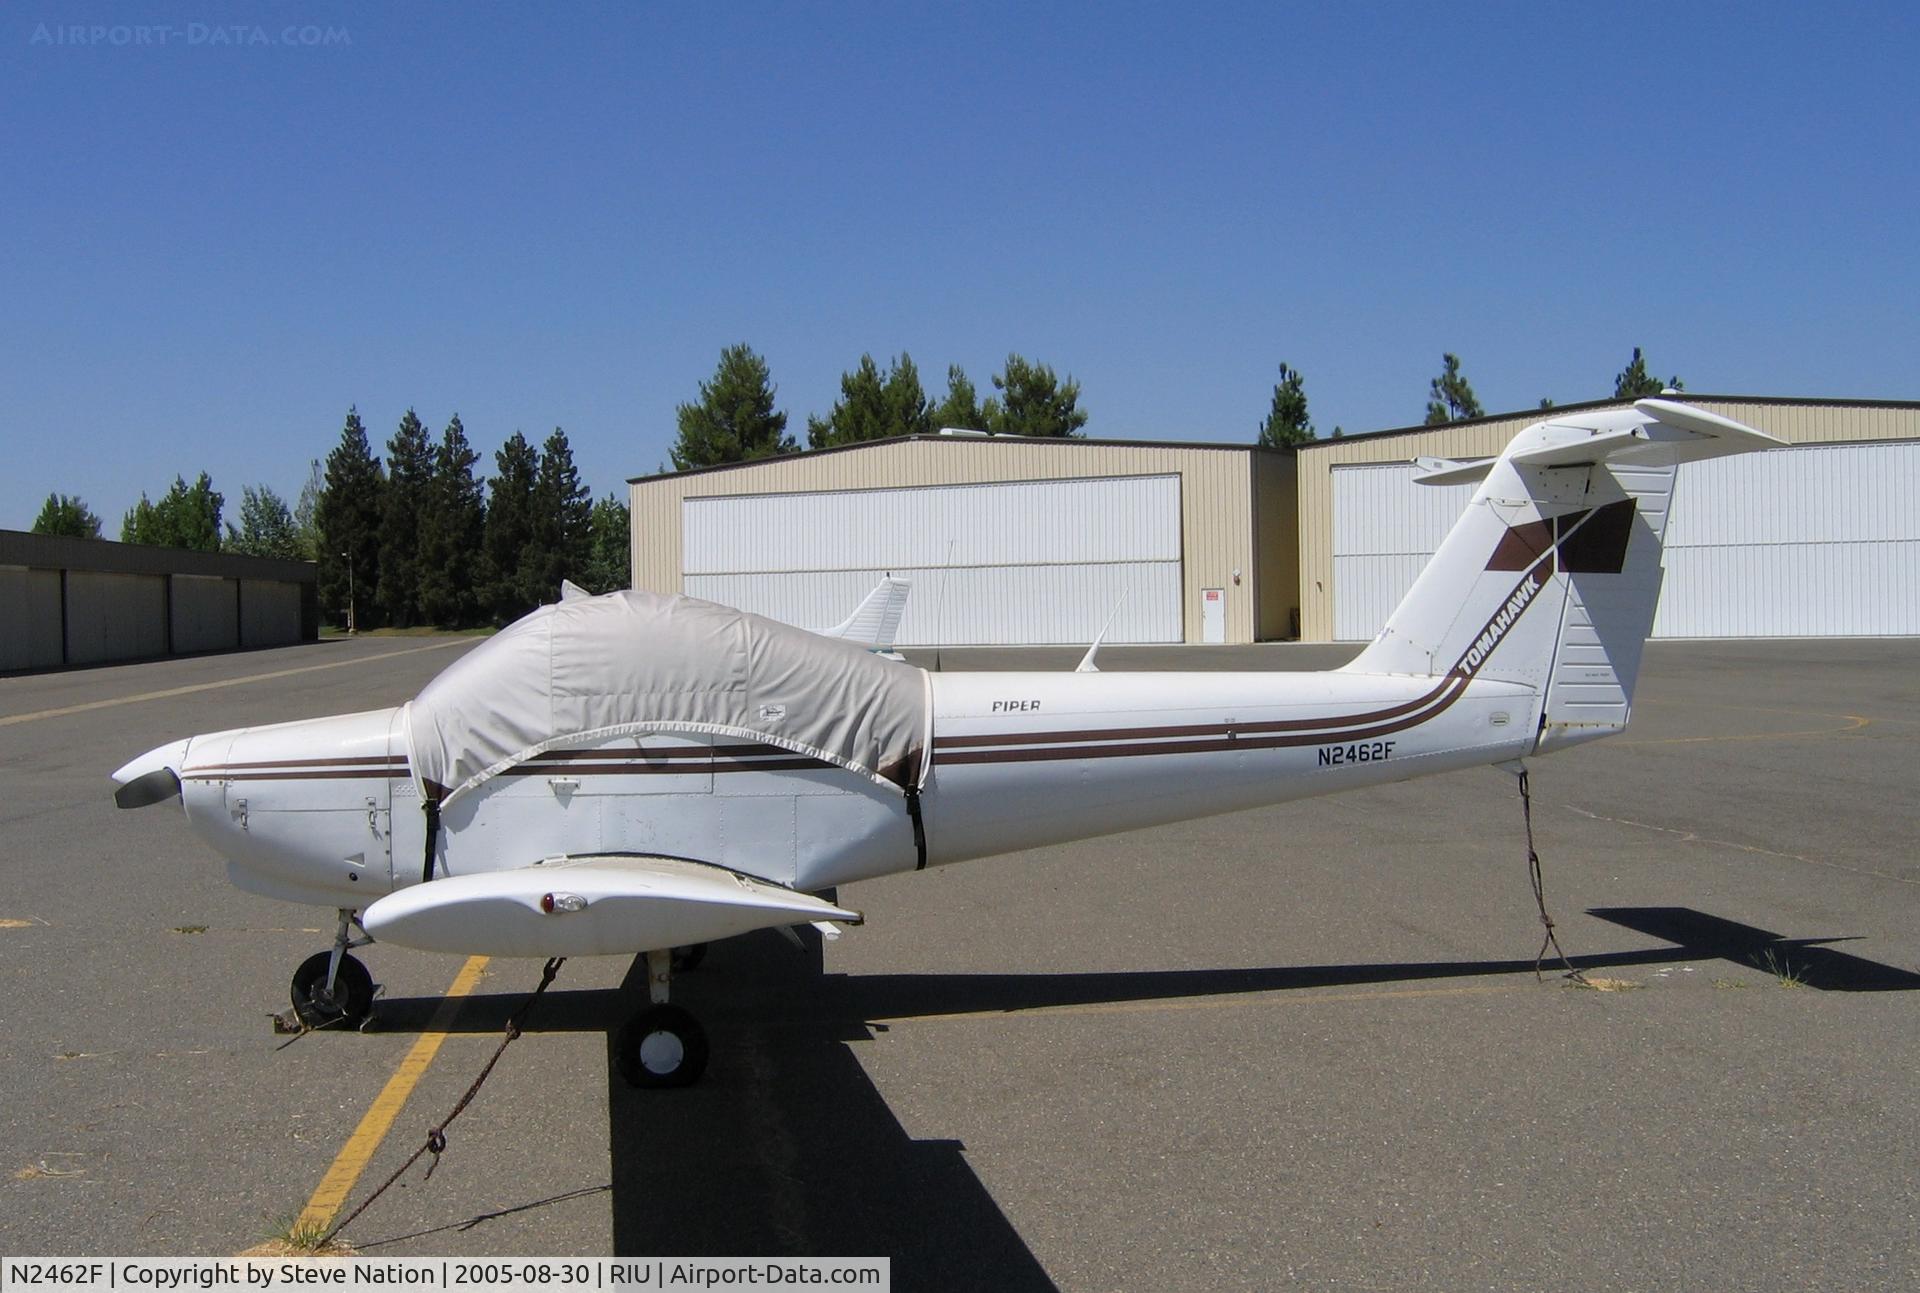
pixel 436 1140
pixel 1540 892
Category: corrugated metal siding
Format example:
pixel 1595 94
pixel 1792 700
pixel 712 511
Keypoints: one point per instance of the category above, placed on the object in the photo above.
pixel 30 630
pixel 205 617
pixel 1822 541
pixel 1216 533
pixel 1385 528
pixel 1794 422
pixel 270 613
pixel 1816 541
pixel 1059 522
pixel 1017 562
pixel 115 617
pixel 977 605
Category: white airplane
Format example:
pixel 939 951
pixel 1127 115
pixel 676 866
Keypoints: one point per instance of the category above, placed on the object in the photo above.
pixel 874 624
pixel 635 773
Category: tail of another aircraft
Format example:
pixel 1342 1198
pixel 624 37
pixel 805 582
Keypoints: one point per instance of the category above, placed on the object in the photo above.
pixel 1551 576
pixel 876 621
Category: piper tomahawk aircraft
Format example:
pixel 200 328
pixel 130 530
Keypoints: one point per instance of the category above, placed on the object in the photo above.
pixel 634 773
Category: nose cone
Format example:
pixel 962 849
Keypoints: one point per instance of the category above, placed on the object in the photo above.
pixel 152 778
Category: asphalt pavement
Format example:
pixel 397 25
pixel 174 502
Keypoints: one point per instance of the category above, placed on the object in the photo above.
pixel 1302 1045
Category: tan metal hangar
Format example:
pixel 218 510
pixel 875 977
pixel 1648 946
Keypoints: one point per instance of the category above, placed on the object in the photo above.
pixel 1007 539
pixel 1820 539
pixel 1017 541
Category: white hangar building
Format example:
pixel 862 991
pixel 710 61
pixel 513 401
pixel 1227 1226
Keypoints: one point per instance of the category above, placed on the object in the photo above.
pixel 1007 539
pixel 1819 539
pixel 1016 541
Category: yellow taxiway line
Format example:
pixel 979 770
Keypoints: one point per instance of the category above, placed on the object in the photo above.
pixel 331 1194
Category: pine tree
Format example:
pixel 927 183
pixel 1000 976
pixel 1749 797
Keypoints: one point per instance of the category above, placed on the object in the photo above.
pixel 1451 398
pixel 67 515
pixel 1032 401
pixel 735 420
pixel 610 566
pixel 961 408
pixel 872 408
pixel 509 527
pixel 562 530
pixel 266 528
pixel 347 517
pixel 452 535
pixel 1635 382
pixel 1287 420
pixel 409 473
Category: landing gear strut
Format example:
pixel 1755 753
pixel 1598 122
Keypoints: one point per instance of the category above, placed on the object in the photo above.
pixel 663 1045
pixel 332 987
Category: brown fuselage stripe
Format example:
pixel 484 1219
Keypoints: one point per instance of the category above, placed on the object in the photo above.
pixel 295 774
pixel 1452 686
pixel 792 763
pixel 1327 735
pixel 1191 729
pixel 358 761
pixel 674 752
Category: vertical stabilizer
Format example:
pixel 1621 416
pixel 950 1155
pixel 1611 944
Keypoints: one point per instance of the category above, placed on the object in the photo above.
pixel 876 621
pixel 1552 574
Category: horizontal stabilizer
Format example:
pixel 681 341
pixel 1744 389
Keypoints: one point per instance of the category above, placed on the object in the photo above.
pixel 1664 433
pixel 589 906
pixel 1451 471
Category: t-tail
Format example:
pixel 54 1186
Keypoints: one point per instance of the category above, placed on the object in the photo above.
pixel 1551 576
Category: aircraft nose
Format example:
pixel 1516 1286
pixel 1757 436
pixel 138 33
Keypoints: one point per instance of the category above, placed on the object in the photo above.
pixel 152 778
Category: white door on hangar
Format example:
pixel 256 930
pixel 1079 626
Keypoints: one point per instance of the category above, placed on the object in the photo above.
pixel 1808 541
pixel 1003 563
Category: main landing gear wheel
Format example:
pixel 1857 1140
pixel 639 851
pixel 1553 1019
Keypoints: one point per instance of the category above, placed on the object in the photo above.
pixel 348 1001
pixel 662 1046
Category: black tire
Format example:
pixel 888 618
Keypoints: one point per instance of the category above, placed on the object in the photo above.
pixel 662 1047
pixel 688 958
pixel 352 995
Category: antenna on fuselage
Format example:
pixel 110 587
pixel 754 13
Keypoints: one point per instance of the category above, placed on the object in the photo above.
pixel 1086 664
pixel 940 605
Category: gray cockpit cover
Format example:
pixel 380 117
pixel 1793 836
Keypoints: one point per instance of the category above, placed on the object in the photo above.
pixel 630 663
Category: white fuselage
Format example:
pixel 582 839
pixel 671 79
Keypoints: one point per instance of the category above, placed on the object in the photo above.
pixel 327 811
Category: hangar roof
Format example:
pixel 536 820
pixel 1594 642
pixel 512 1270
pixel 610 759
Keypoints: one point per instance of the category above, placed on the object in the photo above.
pixel 1538 415
pixel 1027 440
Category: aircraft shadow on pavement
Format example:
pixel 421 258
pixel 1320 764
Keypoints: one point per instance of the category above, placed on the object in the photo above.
pixel 1810 960
pixel 786 1147
pixel 761 983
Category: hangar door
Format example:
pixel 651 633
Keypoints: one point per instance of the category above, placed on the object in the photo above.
pixel 1007 563
pixel 1811 541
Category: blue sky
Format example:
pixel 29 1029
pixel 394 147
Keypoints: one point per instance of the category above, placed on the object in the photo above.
pixel 541 216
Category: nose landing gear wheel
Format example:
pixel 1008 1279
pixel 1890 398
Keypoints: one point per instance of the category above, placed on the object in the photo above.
pixel 662 1047
pixel 349 1000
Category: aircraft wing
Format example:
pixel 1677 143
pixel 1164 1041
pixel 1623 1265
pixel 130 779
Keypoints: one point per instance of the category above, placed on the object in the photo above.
pixel 586 906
